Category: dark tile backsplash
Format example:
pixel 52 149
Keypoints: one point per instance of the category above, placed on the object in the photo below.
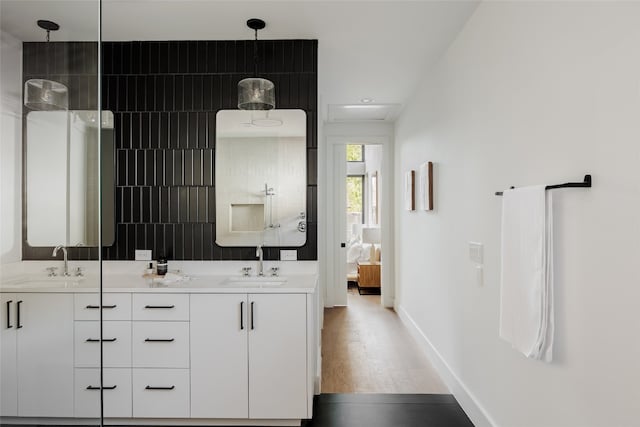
pixel 164 96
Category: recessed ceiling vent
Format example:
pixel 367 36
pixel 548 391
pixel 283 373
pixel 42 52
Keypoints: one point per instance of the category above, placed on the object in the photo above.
pixel 362 112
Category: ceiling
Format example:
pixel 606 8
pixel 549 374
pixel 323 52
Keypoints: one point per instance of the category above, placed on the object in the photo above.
pixel 367 49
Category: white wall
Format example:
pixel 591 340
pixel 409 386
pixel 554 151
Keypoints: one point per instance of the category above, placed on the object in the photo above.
pixel 530 93
pixel 10 148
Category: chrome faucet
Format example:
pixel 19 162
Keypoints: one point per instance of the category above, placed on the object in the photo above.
pixel 65 271
pixel 259 255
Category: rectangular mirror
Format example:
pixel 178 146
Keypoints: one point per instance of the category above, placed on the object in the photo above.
pixel 261 178
pixel 62 178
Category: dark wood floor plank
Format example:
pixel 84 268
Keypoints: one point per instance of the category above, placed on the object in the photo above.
pixel 382 410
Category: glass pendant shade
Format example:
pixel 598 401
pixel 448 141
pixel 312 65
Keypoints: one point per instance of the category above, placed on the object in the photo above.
pixel 45 95
pixel 256 94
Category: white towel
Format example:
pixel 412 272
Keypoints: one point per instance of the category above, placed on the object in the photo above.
pixel 526 292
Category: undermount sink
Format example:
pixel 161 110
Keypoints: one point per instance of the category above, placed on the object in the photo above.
pixel 256 281
pixel 50 282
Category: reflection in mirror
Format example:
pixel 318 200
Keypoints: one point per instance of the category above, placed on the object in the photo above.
pixel 261 185
pixel 62 178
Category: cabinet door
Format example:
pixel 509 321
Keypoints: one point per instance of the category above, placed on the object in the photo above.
pixel 219 380
pixel 45 355
pixel 277 356
pixel 8 368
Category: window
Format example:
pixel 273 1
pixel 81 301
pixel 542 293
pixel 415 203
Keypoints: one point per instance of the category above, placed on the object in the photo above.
pixel 355 153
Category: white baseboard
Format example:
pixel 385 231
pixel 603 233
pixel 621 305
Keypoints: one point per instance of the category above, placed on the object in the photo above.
pixel 465 398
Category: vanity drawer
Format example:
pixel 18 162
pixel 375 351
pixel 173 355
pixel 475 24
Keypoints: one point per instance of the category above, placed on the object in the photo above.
pixel 114 306
pixel 161 344
pixel 161 307
pixel 161 393
pixel 117 393
pixel 116 344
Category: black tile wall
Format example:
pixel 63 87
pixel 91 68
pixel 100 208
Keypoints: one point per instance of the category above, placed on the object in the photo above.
pixel 164 97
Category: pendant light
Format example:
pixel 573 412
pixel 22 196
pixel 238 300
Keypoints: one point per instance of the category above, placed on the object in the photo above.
pixel 43 94
pixel 256 93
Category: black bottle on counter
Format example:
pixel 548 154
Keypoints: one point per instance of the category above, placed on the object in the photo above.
pixel 162 265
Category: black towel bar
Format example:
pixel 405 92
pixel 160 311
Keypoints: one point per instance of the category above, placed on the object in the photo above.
pixel 585 183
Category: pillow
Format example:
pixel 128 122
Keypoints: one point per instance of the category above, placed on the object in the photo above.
pixel 365 254
pixel 354 252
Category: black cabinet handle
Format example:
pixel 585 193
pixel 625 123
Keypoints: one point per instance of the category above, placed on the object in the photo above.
pixel 98 340
pixel 92 387
pixel 159 306
pixel 104 306
pixel 159 340
pixel 9 325
pixel 241 315
pixel 19 325
pixel 159 388
pixel 252 315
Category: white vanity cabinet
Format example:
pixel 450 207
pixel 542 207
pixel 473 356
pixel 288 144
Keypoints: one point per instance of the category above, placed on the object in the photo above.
pixel 249 356
pixel 160 355
pixel 277 356
pixel 37 355
pixel 8 357
pixel 219 357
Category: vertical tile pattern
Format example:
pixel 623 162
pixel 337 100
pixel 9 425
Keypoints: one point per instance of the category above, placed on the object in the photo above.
pixel 165 96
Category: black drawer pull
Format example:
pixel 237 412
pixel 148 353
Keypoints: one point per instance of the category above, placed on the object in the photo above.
pixel 159 340
pixel 19 325
pixel 159 388
pixel 95 307
pixel 98 340
pixel 159 306
pixel 241 315
pixel 9 325
pixel 91 387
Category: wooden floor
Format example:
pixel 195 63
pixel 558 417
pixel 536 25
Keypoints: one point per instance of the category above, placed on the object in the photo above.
pixel 367 349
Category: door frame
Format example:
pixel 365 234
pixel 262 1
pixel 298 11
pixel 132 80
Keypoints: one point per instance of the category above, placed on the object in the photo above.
pixel 336 289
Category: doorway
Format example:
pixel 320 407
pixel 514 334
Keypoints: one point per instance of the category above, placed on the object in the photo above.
pixel 365 346
pixel 359 218
pixel 363 231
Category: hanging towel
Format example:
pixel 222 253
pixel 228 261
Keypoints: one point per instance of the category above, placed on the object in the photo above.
pixel 526 291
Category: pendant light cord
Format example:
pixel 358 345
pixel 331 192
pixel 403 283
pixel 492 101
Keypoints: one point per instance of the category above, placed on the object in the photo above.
pixel 255 54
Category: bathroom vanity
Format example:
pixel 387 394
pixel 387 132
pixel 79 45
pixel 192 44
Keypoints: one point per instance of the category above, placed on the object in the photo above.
pixel 212 350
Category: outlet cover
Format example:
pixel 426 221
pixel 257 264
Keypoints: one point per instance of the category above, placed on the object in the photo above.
pixel 143 255
pixel 288 255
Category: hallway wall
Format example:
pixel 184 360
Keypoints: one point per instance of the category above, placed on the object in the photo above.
pixel 530 93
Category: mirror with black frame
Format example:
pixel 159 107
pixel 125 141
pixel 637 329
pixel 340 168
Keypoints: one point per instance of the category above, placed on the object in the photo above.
pixel 261 178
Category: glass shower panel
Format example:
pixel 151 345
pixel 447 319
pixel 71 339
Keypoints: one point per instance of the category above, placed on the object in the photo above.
pixel 51 189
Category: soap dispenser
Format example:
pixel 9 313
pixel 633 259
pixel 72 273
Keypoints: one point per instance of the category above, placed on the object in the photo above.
pixel 162 265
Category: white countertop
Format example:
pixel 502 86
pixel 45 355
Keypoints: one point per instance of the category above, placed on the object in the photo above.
pixel 123 283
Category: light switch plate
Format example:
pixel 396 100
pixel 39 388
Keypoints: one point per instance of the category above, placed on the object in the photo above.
pixel 288 255
pixel 476 252
pixel 143 255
